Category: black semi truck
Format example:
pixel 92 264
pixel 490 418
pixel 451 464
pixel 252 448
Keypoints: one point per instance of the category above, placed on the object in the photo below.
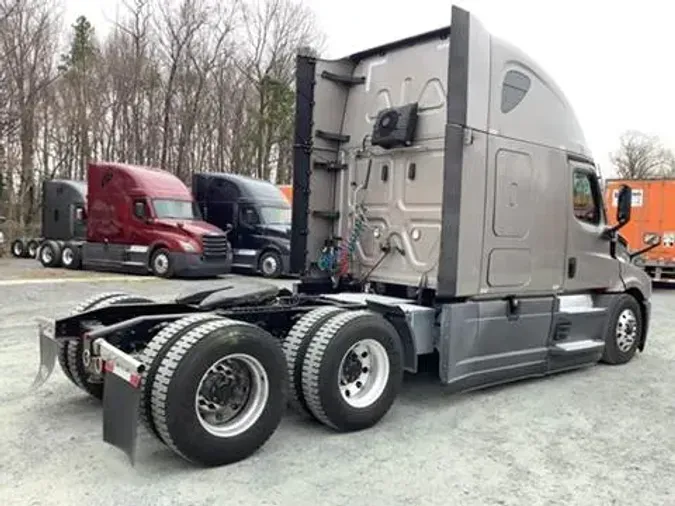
pixel 64 202
pixel 258 214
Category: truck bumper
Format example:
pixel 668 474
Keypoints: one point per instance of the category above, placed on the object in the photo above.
pixel 195 265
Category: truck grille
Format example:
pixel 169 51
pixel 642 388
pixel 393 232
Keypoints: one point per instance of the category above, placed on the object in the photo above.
pixel 215 246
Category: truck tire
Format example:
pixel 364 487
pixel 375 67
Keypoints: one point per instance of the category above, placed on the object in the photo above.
pixel 161 264
pixel 624 331
pixel 154 353
pixel 75 349
pixel 353 370
pixel 50 254
pixel 244 368
pixel 90 303
pixel 32 248
pixel 18 248
pixel 295 348
pixel 270 264
pixel 71 257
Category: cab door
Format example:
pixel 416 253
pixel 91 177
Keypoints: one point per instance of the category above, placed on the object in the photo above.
pixel 588 263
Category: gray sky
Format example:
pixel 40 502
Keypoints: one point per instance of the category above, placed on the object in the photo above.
pixel 613 60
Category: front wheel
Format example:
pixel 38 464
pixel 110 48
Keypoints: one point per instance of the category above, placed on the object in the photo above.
pixel 71 257
pixel 270 264
pixel 161 264
pixel 219 392
pixel 624 332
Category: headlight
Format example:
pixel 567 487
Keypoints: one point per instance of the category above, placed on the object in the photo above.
pixel 188 247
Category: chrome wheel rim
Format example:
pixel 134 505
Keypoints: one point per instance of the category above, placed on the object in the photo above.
pixel 161 264
pixel 269 265
pixel 363 373
pixel 47 255
pixel 67 256
pixel 31 250
pixel 232 395
pixel 17 249
pixel 626 330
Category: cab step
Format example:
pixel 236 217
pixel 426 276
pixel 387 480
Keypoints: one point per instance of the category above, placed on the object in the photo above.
pixel 577 347
pixel 130 263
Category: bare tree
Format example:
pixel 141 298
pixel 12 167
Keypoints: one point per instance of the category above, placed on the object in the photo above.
pixel 181 84
pixel 207 50
pixel 669 164
pixel 178 26
pixel 276 30
pixel 640 156
pixel 27 40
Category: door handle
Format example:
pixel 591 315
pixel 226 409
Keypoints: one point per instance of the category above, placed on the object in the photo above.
pixel 571 267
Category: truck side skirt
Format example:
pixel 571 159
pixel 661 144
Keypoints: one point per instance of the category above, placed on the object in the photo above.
pixel 537 336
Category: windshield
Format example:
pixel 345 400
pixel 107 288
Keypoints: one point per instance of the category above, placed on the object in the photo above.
pixel 175 209
pixel 276 215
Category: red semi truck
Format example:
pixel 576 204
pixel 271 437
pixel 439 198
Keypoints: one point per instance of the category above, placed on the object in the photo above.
pixel 132 219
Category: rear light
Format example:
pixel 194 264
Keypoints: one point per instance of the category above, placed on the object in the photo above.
pixel 133 379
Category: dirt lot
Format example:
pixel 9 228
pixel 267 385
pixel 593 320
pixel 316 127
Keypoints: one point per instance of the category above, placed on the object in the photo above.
pixel 599 436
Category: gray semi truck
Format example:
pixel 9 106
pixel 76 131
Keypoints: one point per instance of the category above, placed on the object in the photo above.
pixel 445 203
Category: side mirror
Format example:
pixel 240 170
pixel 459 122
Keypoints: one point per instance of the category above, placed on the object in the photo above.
pixel 624 204
pixel 651 239
pixel 228 228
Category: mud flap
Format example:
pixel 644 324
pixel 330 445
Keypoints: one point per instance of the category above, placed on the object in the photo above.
pixel 121 398
pixel 48 351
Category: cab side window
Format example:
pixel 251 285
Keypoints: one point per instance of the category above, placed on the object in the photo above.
pixel 139 209
pixel 248 215
pixel 586 197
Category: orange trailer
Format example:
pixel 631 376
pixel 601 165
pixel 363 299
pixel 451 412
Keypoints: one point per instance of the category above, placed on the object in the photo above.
pixel 653 211
pixel 287 190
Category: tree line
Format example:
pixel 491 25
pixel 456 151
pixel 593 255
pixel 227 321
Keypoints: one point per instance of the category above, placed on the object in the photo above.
pixel 642 156
pixel 186 85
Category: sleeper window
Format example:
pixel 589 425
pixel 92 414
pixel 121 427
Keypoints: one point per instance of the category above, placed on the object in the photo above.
pixel 514 88
pixel 586 197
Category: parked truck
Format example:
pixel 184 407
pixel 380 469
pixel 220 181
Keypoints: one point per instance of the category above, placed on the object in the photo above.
pixel 257 213
pixel 653 216
pixel 130 219
pixel 63 205
pixel 445 203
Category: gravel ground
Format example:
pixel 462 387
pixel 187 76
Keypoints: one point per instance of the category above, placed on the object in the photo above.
pixel 598 436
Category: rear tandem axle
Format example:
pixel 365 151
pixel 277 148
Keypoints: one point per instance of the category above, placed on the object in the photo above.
pixel 211 373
